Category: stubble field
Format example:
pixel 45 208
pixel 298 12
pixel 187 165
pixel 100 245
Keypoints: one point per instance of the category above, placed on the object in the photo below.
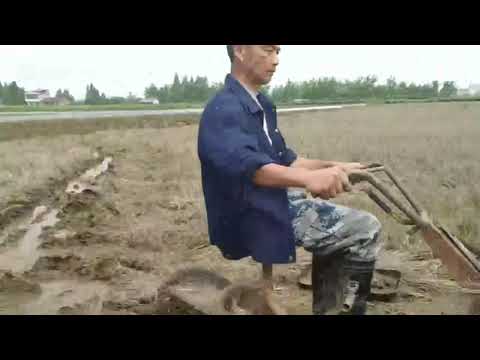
pixel 109 250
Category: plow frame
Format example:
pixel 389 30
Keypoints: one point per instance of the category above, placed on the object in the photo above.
pixel 459 261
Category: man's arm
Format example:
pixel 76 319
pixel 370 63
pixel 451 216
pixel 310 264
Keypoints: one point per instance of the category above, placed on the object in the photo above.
pixel 279 176
pixel 315 164
pixel 224 144
pixel 325 183
pixel 312 164
pixel 325 179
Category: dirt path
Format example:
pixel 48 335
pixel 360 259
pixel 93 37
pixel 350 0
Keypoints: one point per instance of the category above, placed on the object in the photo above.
pixel 29 116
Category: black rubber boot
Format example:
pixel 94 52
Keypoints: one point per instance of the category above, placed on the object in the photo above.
pixel 360 273
pixel 327 284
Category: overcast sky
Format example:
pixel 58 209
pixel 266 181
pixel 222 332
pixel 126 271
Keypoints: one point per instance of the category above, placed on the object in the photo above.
pixel 118 70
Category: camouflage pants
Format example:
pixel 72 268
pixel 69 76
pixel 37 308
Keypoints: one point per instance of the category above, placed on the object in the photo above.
pixel 326 228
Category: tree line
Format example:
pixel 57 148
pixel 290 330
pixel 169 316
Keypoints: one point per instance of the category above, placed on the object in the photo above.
pixel 186 90
pixel 11 94
pixel 362 88
pixel 326 88
pixel 199 90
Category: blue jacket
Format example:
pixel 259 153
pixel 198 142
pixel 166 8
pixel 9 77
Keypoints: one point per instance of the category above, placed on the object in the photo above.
pixel 244 219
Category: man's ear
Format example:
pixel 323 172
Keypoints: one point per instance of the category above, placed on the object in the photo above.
pixel 239 52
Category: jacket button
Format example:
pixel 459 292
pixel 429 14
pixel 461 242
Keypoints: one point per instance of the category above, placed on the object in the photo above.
pixel 280 153
pixel 276 130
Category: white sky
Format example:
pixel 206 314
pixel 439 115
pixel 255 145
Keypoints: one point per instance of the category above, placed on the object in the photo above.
pixel 120 69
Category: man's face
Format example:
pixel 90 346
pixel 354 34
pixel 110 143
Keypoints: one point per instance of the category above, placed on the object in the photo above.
pixel 259 62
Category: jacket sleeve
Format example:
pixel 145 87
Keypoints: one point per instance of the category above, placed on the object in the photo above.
pixel 289 157
pixel 227 146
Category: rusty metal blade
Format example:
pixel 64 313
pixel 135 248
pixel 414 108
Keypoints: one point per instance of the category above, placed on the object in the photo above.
pixel 460 263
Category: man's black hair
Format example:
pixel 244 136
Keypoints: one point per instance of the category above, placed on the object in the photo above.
pixel 230 52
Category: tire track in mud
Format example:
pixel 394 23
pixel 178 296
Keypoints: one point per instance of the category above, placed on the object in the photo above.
pixel 35 281
pixel 75 266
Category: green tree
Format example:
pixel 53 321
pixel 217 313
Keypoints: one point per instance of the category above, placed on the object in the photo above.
pixel 13 95
pixel 190 93
pixel 131 98
pixel 359 89
pixel 391 87
pixel 448 89
pixel 117 100
pixel 67 95
pixel 175 90
pixel 92 97
pixel 435 86
pixel 20 96
pixel 151 92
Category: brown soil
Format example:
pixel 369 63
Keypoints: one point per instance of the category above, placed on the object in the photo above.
pixel 114 249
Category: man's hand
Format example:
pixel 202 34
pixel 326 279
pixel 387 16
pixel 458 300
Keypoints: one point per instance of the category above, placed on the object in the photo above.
pixel 327 183
pixel 351 166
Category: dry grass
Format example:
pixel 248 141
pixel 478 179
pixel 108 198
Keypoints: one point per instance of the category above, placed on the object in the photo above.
pixel 433 148
pixel 27 164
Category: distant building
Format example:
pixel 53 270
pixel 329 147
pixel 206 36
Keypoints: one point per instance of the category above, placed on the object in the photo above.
pixel 62 101
pixel 36 97
pixel 474 89
pixel 42 97
pixel 150 101
pixel 463 92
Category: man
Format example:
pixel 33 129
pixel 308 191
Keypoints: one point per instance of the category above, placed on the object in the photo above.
pixel 247 168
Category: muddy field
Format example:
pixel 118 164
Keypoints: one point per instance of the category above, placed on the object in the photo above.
pixel 106 241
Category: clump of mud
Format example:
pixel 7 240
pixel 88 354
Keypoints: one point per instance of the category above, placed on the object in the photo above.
pixel 90 306
pixel 85 203
pixel 100 268
pixel 12 283
pixel 106 269
pixel 66 238
pixel 61 263
pixel 12 237
pixel 16 207
pixel 192 291
pixel 474 308
pixel 87 211
pixel 174 306
pixel 137 264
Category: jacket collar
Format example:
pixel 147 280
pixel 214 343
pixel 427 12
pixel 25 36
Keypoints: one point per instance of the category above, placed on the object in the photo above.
pixel 245 98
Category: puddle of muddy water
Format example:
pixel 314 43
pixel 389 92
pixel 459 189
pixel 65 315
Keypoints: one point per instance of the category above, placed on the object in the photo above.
pixel 70 295
pixel 22 257
pixel 85 298
pixel 11 304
